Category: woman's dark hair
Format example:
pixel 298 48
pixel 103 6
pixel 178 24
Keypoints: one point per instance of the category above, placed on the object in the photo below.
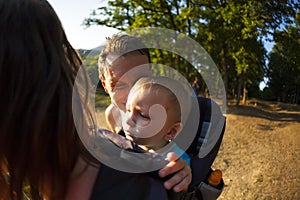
pixel 39 145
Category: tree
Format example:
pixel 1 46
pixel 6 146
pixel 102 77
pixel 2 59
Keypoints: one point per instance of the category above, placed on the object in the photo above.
pixel 284 65
pixel 231 31
pixel 233 36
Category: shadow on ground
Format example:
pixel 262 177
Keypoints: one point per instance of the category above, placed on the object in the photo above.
pixel 267 110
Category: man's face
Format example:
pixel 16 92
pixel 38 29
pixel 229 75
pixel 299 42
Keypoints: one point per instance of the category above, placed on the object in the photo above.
pixel 122 74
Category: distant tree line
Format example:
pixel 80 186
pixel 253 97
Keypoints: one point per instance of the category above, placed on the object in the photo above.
pixel 90 61
pixel 283 69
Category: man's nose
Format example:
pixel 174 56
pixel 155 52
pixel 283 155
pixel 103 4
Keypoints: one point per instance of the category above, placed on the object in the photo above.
pixel 126 93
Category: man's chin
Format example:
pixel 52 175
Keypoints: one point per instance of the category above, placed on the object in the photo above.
pixel 122 107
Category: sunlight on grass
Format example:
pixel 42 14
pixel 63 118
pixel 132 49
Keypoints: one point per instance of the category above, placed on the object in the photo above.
pixel 102 100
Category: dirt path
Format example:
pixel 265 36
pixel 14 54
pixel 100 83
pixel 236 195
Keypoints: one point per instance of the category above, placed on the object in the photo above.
pixel 260 152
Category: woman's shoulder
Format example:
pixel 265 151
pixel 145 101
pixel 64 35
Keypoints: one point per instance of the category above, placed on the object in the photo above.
pixel 82 181
pixel 115 184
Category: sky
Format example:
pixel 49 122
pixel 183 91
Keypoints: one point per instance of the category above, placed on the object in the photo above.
pixel 72 14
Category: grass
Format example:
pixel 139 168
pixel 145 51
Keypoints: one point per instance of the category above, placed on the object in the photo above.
pixel 102 99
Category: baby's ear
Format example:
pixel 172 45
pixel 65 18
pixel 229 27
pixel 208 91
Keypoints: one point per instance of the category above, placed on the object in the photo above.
pixel 173 131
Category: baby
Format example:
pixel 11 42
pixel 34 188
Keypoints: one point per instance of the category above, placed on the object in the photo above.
pixel 153 115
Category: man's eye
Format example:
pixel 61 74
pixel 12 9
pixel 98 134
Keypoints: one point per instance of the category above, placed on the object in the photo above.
pixel 120 85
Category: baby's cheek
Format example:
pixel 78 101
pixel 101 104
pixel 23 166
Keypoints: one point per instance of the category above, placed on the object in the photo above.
pixel 144 131
pixel 147 129
pixel 143 123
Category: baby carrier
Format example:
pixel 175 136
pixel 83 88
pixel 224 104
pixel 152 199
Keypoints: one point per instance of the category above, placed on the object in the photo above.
pixel 208 139
pixel 205 147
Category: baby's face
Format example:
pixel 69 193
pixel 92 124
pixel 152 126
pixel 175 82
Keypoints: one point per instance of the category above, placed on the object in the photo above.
pixel 146 120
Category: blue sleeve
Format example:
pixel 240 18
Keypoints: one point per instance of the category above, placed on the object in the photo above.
pixel 187 159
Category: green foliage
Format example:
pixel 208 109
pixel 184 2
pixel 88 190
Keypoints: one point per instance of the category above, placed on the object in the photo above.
pixel 231 31
pixel 284 65
pixel 102 99
pixel 90 61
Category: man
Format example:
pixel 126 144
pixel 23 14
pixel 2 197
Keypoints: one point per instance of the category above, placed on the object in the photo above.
pixel 119 56
pixel 123 60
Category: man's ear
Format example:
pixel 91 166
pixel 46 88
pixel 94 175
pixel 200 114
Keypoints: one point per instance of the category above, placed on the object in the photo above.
pixel 103 84
pixel 173 131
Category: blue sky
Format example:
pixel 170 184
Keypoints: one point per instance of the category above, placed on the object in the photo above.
pixel 72 13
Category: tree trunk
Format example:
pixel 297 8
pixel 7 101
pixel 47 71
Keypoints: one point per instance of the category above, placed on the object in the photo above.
pixel 297 96
pixel 239 89
pixel 224 67
pixel 245 94
pixel 187 70
pixel 233 92
pixel 238 93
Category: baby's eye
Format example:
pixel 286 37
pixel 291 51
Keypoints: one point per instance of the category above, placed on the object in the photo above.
pixel 144 116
